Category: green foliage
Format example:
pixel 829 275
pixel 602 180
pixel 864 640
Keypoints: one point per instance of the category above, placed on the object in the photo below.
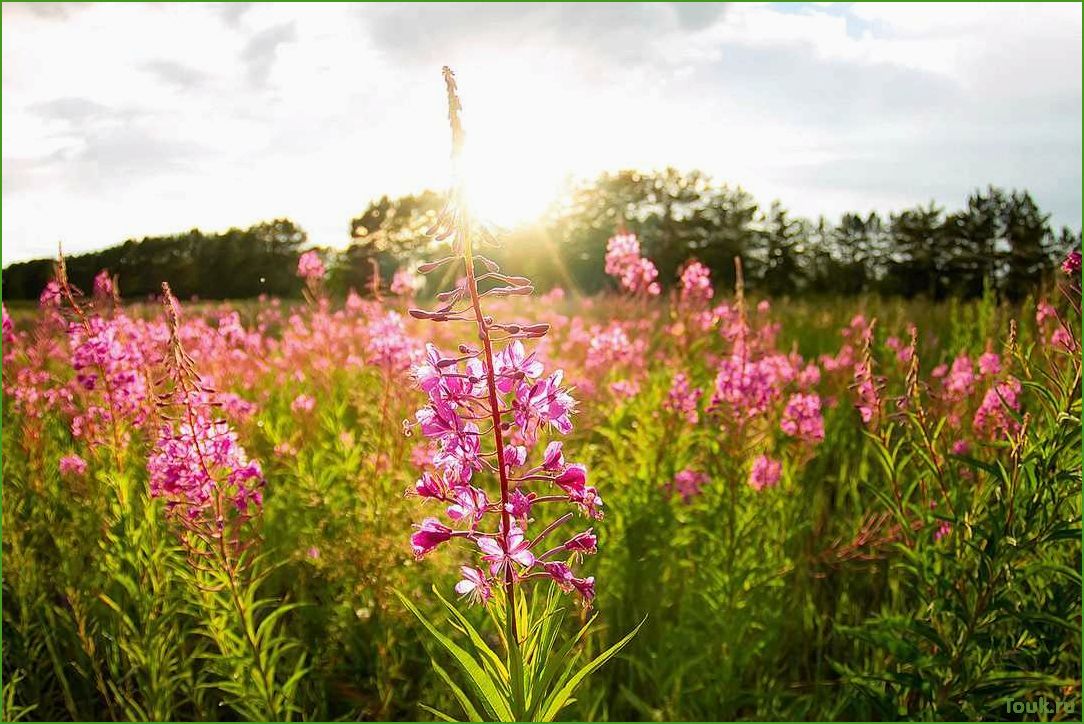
pixel 234 264
pixel 535 681
pixel 758 605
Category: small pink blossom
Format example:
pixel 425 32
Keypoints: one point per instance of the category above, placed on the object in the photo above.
pixel 802 418
pixel 1071 264
pixel 688 484
pixel 430 534
pixel 431 486
pixel 553 459
pixel 469 507
pixel 684 399
pixel 310 266
pixel 635 274
pixel 303 403
pixel 994 415
pixel 1043 311
pixel 765 472
pixel 103 285
pixel 989 364
pixel 581 543
pixel 501 554
pixel 73 465
pixel 696 284
pixel 961 378
pixel 402 283
pixel 474 586
pixel 50 296
pixel 1060 337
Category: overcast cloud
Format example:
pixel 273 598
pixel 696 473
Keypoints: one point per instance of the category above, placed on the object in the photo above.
pixel 128 120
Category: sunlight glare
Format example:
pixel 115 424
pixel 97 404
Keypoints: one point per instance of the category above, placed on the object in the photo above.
pixel 504 190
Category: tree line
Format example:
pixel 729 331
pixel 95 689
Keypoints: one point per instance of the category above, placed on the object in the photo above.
pixel 999 240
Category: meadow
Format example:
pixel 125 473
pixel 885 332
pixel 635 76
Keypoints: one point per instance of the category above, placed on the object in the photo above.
pixel 874 514
pixel 694 503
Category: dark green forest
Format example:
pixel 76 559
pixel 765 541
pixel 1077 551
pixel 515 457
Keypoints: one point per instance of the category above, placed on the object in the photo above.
pixel 999 240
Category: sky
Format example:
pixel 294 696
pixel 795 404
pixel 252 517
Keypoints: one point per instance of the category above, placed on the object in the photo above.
pixel 128 120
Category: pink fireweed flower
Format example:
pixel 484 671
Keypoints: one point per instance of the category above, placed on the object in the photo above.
pixel 474 585
pixel 634 273
pixel 470 505
pixel 765 472
pixel 310 266
pixel 489 405
pixel 564 578
pixel 107 359
pixel 519 505
pixel 303 403
pixel 544 403
pixel 688 484
pixel 1043 311
pixel 103 285
pixel 746 388
pixel 696 287
pixel 802 418
pixel 50 296
pixel 553 296
pixel 402 283
pixel 611 346
pixel 1060 337
pixel 9 334
pixel 625 389
pixel 585 587
pixel 501 554
pixel 515 456
pixel 574 482
pixel 961 378
pixel 994 414
pixel 431 486
pixel 583 543
pixel 513 364
pixel 553 459
pixel 430 534
pixel 72 465
pixel 574 477
pixel 1071 264
pixel 684 399
pixel 189 466
pixel 989 364
pixel 197 465
pixel 389 346
pixel 461 455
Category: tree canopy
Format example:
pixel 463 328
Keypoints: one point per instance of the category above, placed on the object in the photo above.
pixel 1000 239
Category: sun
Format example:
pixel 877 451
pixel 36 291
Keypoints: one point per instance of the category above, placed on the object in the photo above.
pixel 502 191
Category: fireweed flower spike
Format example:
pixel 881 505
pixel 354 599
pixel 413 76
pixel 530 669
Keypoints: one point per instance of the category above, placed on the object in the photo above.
pixel 490 404
pixel 480 400
pixel 214 495
pixel 197 465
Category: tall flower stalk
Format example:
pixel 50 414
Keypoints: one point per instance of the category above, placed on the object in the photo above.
pixel 214 494
pixel 485 396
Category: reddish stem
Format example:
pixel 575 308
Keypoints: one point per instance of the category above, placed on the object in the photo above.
pixel 495 413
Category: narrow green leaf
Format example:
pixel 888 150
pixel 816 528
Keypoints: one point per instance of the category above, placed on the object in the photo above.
pixel 559 698
pixel 468 706
pixel 495 704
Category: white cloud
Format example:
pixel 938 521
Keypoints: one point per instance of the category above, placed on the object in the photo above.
pixel 128 120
